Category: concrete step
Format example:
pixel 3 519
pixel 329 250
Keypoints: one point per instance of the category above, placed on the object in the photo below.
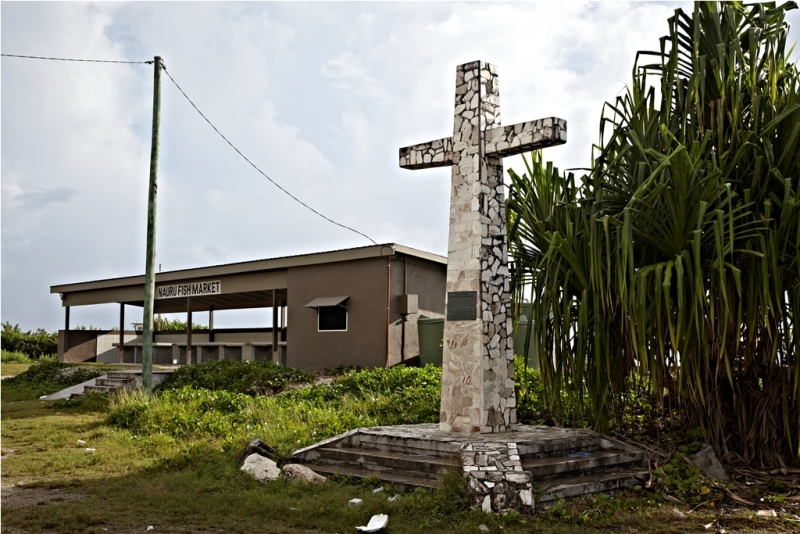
pixel 417 465
pixel 390 477
pixel 113 382
pixel 550 467
pixel 410 446
pixel 121 376
pixel 99 389
pixel 551 491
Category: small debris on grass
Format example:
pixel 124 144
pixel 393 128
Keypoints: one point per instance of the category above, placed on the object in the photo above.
pixel 392 499
pixel 376 523
pixel 678 514
pixel 81 442
pixel 89 449
pixel 378 490
pixel 354 502
pixel 766 513
pixel 149 528
pixel 483 527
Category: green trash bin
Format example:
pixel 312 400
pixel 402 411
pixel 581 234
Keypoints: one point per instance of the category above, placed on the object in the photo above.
pixel 431 333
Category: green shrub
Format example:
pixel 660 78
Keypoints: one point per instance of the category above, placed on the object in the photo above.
pixel 45 377
pixel 16 357
pixel 34 344
pixel 251 378
pixel 288 421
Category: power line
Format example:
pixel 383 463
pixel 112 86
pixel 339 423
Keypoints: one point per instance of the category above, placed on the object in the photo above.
pixel 259 170
pixel 80 60
pixel 210 124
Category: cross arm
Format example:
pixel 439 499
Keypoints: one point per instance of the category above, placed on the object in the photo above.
pixel 526 136
pixel 437 153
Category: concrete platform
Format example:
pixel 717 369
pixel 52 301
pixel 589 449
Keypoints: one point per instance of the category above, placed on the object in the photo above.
pixel 508 470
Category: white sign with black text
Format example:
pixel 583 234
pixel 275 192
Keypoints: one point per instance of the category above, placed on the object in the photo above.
pixel 193 289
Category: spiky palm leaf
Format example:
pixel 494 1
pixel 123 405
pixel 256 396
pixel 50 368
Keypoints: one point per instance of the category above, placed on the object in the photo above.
pixel 676 262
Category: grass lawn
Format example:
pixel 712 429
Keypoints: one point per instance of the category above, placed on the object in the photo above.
pixel 51 483
pixel 13 368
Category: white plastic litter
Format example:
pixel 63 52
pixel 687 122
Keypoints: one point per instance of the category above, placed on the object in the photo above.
pixel 150 527
pixel 376 523
pixel 483 528
pixel 377 490
pixel 678 514
pixel 89 449
pixel 766 513
pixel 354 502
pixel 392 499
pixel 81 442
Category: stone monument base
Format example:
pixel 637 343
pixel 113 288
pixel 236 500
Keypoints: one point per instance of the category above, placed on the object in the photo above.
pixel 515 470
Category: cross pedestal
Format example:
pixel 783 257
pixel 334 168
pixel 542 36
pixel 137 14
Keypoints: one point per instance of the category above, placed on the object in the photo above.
pixel 478 361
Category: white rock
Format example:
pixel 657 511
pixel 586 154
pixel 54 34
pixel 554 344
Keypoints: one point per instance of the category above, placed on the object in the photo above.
pixel 766 513
pixel 150 527
pixel 678 514
pixel 486 505
pixel 261 468
pixel 301 473
pixel 709 464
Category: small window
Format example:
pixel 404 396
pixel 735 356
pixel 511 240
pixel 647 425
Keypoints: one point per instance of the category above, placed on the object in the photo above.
pixel 332 318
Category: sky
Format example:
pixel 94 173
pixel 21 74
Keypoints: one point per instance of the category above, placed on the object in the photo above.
pixel 320 96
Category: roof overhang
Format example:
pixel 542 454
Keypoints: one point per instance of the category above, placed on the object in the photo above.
pixel 327 301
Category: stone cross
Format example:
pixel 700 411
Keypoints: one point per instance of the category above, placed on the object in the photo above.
pixel 478 361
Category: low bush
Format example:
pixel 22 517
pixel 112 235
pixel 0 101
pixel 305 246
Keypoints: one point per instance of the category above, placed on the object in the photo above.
pixel 45 377
pixel 288 421
pixel 15 357
pixel 250 378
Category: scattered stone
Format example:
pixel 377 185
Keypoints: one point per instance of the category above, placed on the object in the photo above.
pixel 301 473
pixel 354 502
pixel 256 446
pixel 483 528
pixel 261 468
pixel 709 464
pixel 376 523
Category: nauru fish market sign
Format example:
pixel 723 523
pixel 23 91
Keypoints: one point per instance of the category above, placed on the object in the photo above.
pixel 194 289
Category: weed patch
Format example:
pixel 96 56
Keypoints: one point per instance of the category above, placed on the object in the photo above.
pixel 44 377
pixel 250 378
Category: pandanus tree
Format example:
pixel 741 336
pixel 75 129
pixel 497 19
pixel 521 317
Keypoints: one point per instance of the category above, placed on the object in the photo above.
pixel 673 267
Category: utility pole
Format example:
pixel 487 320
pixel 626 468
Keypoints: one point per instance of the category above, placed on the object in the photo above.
pixel 150 265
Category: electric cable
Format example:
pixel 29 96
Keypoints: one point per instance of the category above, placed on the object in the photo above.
pixel 256 167
pixel 210 124
pixel 79 60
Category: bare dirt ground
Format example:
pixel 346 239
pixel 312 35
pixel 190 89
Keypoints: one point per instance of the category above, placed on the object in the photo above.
pixel 18 497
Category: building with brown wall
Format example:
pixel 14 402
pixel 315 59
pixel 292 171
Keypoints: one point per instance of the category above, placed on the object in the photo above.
pixel 346 307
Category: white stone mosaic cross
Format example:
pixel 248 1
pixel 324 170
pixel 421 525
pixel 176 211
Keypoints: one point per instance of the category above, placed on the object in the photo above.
pixel 478 363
